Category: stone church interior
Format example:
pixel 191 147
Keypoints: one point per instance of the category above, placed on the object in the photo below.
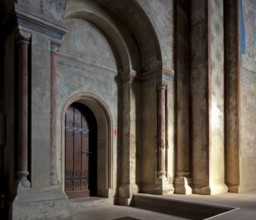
pixel 145 103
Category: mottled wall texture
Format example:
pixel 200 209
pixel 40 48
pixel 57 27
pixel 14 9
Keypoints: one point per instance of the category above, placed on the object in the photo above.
pixel 86 65
pixel 172 86
pixel 247 95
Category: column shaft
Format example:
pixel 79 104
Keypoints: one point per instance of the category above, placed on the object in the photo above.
pixel 22 46
pixel 161 129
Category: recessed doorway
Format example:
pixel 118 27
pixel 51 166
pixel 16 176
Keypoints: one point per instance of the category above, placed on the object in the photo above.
pixel 80 151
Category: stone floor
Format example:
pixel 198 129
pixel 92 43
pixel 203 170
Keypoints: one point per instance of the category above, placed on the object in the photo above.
pixel 119 213
pixel 244 205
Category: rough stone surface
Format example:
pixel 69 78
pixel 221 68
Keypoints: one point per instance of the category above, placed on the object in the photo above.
pixel 195 135
pixel 247 117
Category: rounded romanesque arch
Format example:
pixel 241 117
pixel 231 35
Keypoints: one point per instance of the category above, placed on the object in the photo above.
pixel 134 40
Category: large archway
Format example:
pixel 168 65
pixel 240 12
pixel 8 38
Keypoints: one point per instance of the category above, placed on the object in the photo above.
pixel 104 165
pixel 105 54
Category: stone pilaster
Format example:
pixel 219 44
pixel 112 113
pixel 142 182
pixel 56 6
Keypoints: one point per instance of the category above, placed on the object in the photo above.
pixel 128 186
pixel 23 40
pixel 42 66
pixel 207 94
pixel 231 92
pixel 182 180
pixel 158 135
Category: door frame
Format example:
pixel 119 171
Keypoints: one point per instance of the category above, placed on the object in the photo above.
pixel 104 141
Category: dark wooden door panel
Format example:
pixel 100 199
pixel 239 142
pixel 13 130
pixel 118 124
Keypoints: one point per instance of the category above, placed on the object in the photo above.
pixel 77 153
pixel 85 154
pixel 77 157
pixel 69 150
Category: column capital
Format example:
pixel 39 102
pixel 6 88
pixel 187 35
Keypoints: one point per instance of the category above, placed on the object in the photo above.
pixel 55 47
pixel 161 83
pixel 23 36
pixel 129 77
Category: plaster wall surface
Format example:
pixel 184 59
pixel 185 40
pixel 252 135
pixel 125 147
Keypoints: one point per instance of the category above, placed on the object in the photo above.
pixel 247 95
pixel 216 97
pixel 86 65
pixel 199 95
pixel 47 9
pixel 149 138
pixel 40 112
pixel 116 54
pixel 247 132
pixel 182 92
pixel 161 15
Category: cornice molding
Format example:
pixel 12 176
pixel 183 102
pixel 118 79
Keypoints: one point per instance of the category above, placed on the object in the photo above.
pixel 157 75
pixel 34 23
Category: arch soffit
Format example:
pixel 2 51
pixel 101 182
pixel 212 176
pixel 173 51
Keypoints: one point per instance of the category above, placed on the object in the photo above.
pixel 139 23
pixel 136 42
pixel 124 45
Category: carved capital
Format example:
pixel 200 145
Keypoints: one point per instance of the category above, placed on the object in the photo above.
pixel 23 37
pixel 55 47
pixel 161 84
pixel 129 77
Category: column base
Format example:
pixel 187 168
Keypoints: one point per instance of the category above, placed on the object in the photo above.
pixel 54 178
pixel 182 186
pixel 201 190
pixel 126 192
pixel 22 184
pixel 107 193
pixel 161 187
pixel 213 189
pixel 233 188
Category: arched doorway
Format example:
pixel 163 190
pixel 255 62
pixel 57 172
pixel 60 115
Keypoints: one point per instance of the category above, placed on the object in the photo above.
pixel 80 151
pixel 104 167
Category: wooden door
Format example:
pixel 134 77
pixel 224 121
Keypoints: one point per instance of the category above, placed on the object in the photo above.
pixel 76 153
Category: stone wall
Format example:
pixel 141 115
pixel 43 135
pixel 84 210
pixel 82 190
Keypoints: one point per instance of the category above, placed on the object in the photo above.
pixel 161 16
pixel 207 90
pixel 86 65
pixel 174 102
pixel 247 118
pixel 182 142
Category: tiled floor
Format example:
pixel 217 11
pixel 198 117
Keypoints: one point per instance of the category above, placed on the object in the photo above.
pixel 245 204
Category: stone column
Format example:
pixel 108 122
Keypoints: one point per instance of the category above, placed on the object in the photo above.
pixel 23 40
pixel 161 129
pixel 53 54
pixel 162 183
pixel 182 123
pixel 129 186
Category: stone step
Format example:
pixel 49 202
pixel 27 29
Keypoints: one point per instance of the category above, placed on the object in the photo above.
pixel 80 204
pixel 183 209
